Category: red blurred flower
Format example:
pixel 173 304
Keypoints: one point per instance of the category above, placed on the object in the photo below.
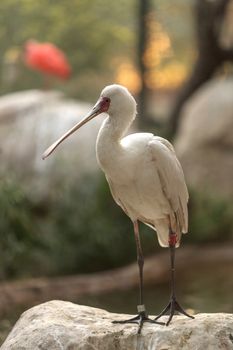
pixel 46 58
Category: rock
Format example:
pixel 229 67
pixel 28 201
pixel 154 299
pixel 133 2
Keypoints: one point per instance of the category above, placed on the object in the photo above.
pixel 204 143
pixel 32 120
pixel 57 325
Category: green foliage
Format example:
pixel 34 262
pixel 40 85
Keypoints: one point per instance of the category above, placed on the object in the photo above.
pixel 210 219
pixel 90 32
pixel 80 229
pixel 95 35
pixel 89 231
pixel 19 241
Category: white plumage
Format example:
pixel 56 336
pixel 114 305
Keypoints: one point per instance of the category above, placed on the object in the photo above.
pixel 143 172
pixel 145 179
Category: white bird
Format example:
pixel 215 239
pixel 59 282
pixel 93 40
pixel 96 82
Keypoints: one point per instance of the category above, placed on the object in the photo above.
pixel 145 178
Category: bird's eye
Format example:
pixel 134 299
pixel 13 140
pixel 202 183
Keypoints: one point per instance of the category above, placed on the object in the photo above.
pixel 107 99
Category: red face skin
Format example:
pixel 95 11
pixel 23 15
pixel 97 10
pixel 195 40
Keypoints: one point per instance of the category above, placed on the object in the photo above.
pixel 104 104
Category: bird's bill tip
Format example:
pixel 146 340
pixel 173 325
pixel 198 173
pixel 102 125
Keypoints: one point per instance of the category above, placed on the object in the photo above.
pixel 45 155
pixel 94 112
pixel 49 151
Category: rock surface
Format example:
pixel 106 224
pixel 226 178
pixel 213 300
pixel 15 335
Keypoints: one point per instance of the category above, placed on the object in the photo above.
pixel 32 120
pixel 204 143
pixel 58 325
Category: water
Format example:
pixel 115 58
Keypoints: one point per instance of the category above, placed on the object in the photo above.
pixel 205 290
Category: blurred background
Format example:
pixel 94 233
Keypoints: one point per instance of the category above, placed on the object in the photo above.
pixel 62 235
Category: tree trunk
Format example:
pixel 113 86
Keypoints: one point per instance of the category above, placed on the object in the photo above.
pixel 209 19
pixel 143 11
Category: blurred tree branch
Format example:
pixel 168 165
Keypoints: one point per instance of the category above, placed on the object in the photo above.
pixel 143 35
pixel 211 55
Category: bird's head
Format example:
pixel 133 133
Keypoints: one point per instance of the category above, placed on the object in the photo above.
pixel 115 100
pixel 118 101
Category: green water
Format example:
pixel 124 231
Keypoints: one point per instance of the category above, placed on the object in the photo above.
pixel 203 290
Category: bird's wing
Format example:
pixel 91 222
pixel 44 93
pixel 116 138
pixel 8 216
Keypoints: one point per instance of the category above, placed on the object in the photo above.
pixel 171 177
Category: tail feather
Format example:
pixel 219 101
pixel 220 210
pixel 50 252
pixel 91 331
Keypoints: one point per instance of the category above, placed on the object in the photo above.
pixel 162 229
pixel 163 235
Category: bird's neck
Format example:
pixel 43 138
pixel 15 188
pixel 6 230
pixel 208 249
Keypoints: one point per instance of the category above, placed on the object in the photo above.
pixel 108 146
pixel 113 129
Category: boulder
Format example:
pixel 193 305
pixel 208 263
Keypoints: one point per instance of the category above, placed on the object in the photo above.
pixel 204 143
pixel 57 325
pixel 32 120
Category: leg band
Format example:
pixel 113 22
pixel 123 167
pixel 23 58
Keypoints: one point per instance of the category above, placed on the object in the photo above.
pixel 141 308
pixel 172 239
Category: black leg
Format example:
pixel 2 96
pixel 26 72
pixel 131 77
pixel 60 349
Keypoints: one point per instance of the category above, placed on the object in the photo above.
pixel 173 305
pixel 140 260
pixel 142 314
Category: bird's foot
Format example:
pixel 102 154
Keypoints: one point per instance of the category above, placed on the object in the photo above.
pixel 140 319
pixel 172 307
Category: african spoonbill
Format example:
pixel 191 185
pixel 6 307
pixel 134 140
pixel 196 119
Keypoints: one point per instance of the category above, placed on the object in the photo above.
pixel 146 180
